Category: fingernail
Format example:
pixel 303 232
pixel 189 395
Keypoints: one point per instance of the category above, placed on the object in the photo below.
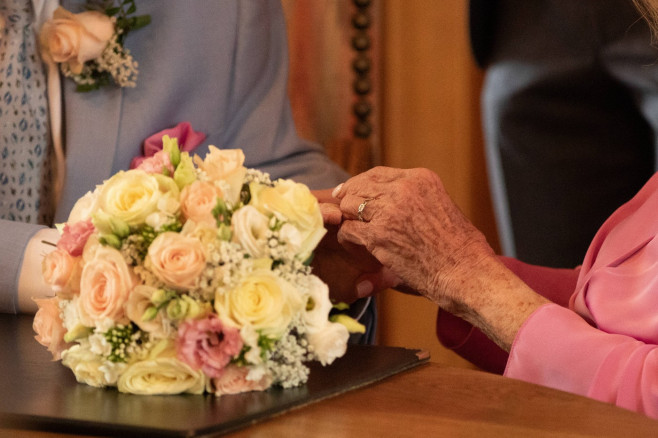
pixel 364 289
pixel 337 190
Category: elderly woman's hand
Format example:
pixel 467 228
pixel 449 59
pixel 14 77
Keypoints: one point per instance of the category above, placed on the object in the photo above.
pixel 410 224
pixel 406 220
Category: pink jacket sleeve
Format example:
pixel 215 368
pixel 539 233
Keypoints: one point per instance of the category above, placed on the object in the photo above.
pixel 470 343
pixel 557 348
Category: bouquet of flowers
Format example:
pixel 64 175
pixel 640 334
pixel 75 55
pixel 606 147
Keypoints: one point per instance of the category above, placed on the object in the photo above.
pixel 190 275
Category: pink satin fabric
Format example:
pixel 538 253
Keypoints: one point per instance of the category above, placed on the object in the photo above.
pixel 605 344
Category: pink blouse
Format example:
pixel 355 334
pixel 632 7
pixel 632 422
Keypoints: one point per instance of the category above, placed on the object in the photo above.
pixel 600 339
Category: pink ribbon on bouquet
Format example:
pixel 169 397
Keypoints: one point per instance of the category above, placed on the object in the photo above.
pixel 188 140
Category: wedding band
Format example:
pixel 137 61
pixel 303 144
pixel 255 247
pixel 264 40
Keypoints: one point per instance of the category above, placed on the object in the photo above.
pixel 362 207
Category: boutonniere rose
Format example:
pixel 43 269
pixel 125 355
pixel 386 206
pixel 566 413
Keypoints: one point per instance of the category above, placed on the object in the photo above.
pixel 73 39
pixel 88 46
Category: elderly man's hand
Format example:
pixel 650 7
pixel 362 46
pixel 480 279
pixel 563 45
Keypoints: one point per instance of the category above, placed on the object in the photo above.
pixel 349 270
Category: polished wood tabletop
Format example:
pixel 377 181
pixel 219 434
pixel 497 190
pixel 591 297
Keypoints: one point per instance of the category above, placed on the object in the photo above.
pixel 432 400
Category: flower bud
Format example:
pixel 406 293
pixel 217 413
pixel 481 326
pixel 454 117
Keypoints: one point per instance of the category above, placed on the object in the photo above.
pixel 185 174
pixel 149 314
pixel 351 324
pixel 77 332
pixel 110 240
pixel 177 309
pixel 170 146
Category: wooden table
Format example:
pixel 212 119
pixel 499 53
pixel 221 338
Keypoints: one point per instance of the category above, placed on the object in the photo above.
pixel 432 400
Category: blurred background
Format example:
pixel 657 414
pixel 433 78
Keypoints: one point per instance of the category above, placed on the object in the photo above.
pixel 392 82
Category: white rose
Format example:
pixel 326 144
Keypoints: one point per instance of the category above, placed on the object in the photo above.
pixel 86 366
pixel 329 343
pixel 250 230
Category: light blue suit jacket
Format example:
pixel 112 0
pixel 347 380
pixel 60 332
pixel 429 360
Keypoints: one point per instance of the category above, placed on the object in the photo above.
pixel 221 65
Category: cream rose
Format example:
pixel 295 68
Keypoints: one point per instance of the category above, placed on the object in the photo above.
pixel 74 39
pixel 225 165
pixel 105 285
pixel 236 380
pixel 198 201
pixel 48 326
pixel 250 230
pixel 176 259
pixel 293 202
pixel 161 375
pixel 263 300
pixel 133 195
pixel 329 343
pixel 62 272
pixel 86 366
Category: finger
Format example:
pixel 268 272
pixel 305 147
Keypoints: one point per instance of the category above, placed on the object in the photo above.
pixel 358 208
pixel 324 196
pixel 331 214
pixel 354 233
pixel 369 184
pixel 374 282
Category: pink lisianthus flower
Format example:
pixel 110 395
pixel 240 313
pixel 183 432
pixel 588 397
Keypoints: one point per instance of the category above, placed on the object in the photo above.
pixel 75 237
pixel 188 140
pixel 208 344
pixel 235 381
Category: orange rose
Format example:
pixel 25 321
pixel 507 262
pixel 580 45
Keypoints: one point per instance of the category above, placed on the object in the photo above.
pixel 48 326
pixel 177 260
pixel 198 200
pixel 105 285
pixel 74 39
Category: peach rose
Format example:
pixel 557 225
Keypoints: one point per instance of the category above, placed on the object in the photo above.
pixel 48 326
pixel 235 380
pixel 138 302
pixel 198 200
pixel 62 272
pixel 105 285
pixel 177 260
pixel 74 39
pixel 224 165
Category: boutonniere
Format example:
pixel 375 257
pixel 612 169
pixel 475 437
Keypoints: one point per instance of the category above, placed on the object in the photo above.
pixel 89 46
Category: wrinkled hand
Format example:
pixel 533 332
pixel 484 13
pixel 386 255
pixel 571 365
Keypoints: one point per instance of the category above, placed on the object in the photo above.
pixel 413 228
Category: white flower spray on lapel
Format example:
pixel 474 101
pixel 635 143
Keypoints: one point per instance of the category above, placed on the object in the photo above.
pixel 89 46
